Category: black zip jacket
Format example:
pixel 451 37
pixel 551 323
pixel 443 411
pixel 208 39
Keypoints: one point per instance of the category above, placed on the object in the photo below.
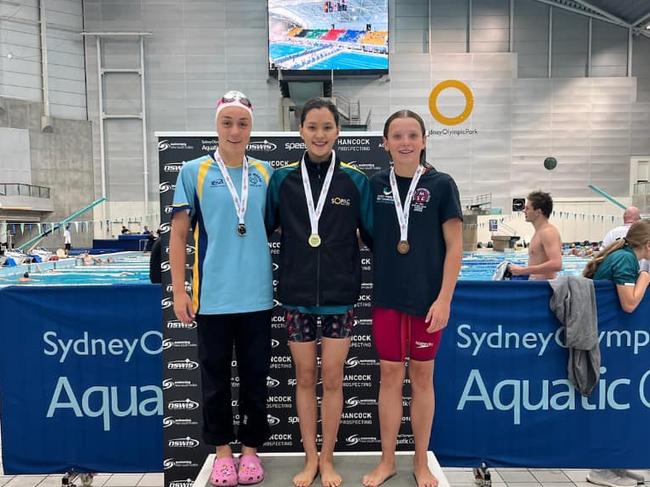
pixel 330 274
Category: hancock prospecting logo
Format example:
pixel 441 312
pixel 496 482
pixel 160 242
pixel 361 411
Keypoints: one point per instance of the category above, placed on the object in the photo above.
pixel 433 102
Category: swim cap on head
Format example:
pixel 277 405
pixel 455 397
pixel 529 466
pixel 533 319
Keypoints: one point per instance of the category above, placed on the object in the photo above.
pixel 234 99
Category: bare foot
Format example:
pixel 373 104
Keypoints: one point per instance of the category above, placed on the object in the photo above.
pixel 308 474
pixel 379 475
pixel 328 476
pixel 423 476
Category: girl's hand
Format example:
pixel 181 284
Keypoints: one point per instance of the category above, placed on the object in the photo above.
pixel 438 315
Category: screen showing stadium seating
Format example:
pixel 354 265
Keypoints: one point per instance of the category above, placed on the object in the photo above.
pixel 323 35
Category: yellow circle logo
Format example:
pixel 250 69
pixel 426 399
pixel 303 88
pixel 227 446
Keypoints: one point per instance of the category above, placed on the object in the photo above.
pixel 433 102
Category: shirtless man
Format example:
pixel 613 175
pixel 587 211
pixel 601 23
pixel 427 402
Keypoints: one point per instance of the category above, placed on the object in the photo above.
pixel 545 249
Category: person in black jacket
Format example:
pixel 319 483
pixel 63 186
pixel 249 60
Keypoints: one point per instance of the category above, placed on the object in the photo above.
pixel 320 203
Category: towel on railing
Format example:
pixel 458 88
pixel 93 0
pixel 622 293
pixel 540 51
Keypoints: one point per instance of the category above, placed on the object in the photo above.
pixel 574 305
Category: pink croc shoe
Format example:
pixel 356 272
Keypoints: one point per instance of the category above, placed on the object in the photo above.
pixel 224 472
pixel 250 470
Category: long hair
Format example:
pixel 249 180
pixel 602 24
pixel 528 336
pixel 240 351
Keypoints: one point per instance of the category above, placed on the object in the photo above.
pixel 407 114
pixel 637 237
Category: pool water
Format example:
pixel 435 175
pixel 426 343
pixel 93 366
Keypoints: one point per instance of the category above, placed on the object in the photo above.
pixel 279 50
pixel 134 269
pixel 479 266
pixel 128 268
pixel 353 60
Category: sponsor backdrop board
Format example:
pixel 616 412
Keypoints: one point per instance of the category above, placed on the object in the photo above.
pixel 184 448
pixel 80 375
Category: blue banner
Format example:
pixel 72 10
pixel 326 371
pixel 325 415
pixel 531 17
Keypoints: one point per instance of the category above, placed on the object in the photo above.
pixel 502 391
pixel 81 374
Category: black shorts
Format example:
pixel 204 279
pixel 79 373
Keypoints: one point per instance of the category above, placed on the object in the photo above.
pixel 68 246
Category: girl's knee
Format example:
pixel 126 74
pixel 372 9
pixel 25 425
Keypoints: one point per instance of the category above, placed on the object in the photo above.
pixel 306 377
pixel 332 377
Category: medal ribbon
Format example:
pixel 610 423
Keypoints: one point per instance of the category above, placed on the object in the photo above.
pixel 314 213
pixel 240 204
pixel 403 213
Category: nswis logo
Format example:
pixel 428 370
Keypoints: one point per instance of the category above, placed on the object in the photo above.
pixel 262 146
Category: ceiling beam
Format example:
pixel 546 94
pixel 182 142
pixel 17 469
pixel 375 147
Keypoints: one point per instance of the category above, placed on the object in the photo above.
pixel 641 20
pixel 602 12
pixel 596 15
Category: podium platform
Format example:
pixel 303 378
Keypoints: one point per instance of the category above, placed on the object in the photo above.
pixel 280 469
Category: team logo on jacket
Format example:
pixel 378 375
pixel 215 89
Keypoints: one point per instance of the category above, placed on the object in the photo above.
pixel 255 180
pixel 420 199
pixel 338 201
pixel 385 196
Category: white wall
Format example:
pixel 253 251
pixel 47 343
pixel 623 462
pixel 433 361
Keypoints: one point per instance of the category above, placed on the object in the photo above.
pixel 200 49
pixel 20 55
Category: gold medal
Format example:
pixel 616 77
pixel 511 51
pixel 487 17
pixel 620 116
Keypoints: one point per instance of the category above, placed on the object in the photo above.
pixel 314 240
pixel 403 247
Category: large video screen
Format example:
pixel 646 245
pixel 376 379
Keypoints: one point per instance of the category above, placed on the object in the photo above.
pixel 324 35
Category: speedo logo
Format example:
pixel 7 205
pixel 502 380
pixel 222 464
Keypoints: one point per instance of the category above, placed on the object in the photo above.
pixel 338 201
pixel 272 420
pixel 187 442
pixel 272 383
pixel 165 228
pixel 182 405
pixel 166 303
pixel 186 364
pixel 295 145
pixel 262 145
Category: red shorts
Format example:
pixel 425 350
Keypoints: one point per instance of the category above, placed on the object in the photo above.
pixel 398 335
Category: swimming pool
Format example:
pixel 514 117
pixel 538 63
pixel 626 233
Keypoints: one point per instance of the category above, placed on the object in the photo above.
pixel 479 266
pixel 278 50
pixel 133 268
pixel 120 268
pixel 353 60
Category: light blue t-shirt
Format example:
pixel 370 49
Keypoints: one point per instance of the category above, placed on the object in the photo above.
pixel 231 274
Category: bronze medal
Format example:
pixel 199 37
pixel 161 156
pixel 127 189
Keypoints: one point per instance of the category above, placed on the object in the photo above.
pixel 241 229
pixel 403 247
